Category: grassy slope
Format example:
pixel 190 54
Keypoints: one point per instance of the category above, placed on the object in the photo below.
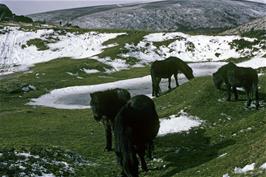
pixel 25 126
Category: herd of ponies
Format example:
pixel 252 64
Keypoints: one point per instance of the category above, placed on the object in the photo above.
pixel 135 122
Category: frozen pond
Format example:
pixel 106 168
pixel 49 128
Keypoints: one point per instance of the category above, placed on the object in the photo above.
pixel 78 97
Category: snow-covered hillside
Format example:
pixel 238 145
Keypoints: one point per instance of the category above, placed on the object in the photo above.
pixel 17 54
pixel 189 48
pixel 21 49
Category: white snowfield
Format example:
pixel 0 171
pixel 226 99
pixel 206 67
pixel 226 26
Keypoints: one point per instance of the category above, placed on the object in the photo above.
pixel 178 123
pixel 15 55
pixel 189 48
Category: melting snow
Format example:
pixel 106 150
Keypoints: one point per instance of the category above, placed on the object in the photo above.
pixel 256 62
pixel 15 57
pixel 226 175
pixel 263 166
pixel 245 169
pixel 196 48
pixel 178 123
pixel 78 97
pixel 222 155
pixel 90 71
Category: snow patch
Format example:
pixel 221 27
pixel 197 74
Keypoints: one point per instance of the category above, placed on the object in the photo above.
pixel 90 71
pixel 255 63
pixel 263 166
pixel 16 55
pixel 189 48
pixel 226 175
pixel 222 155
pixel 178 123
pixel 78 97
pixel 245 169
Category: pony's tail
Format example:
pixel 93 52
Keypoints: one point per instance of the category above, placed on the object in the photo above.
pixel 126 154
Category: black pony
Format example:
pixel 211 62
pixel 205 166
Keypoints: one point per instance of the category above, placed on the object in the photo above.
pixel 136 125
pixel 165 69
pixel 234 76
pixel 105 105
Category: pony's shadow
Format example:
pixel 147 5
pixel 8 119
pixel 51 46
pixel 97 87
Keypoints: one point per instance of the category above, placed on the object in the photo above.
pixel 183 151
pixel 168 91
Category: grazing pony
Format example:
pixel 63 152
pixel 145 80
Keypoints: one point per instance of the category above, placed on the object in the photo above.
pixel 136 125
pixel 234 76
pixel 165 69
pixel 105 105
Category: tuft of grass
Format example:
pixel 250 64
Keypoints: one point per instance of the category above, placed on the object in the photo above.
pixel 238 60
pixel 240 44
pixel 131 37
pixel 39 43
pixel 165 43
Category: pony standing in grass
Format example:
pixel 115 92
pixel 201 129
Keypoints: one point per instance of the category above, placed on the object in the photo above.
pixel 105 105
pixel 136 125
pixel 165 69
pixel 234 76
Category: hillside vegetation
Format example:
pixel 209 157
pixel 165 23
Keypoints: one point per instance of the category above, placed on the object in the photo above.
pixel 38 141
pixel 229 127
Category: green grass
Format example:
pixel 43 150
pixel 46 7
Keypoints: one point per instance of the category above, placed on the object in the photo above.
pixel 238 60
pixel 131 37
pixel 165 43
pixel 193 154
pixel 39 43
pixel 183 154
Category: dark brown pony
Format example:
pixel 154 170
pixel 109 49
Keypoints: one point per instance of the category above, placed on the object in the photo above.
pixel 166 69
pixel 136 125
pixel 234 76
pixel 105 105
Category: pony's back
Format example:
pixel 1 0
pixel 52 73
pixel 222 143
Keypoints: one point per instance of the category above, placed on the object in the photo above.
pixel 242 76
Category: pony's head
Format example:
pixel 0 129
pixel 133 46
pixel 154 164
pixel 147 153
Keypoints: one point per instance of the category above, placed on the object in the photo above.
pixel 187 71
pixel 95 107
pixel 217 80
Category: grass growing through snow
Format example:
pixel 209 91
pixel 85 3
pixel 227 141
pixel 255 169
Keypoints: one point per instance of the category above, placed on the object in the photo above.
pixel 228 128
pixel 39 43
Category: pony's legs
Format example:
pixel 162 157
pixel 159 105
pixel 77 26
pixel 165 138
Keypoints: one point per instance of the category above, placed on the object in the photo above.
pixel 235 92
pixel 176 80
pixel 257 98
pixel 150 148
pixel 249 98
pixel 108 135
pixel 153 89
pixel 141 153
pixel 228 92
pixel 157 87
pixel 169 83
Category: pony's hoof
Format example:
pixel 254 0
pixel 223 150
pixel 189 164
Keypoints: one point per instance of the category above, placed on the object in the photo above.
pixel 108 149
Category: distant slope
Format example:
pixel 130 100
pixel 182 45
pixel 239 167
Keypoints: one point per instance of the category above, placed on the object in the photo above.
pixel 5 12
pixel 171 15
pixel 258 24
pixel 7 15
